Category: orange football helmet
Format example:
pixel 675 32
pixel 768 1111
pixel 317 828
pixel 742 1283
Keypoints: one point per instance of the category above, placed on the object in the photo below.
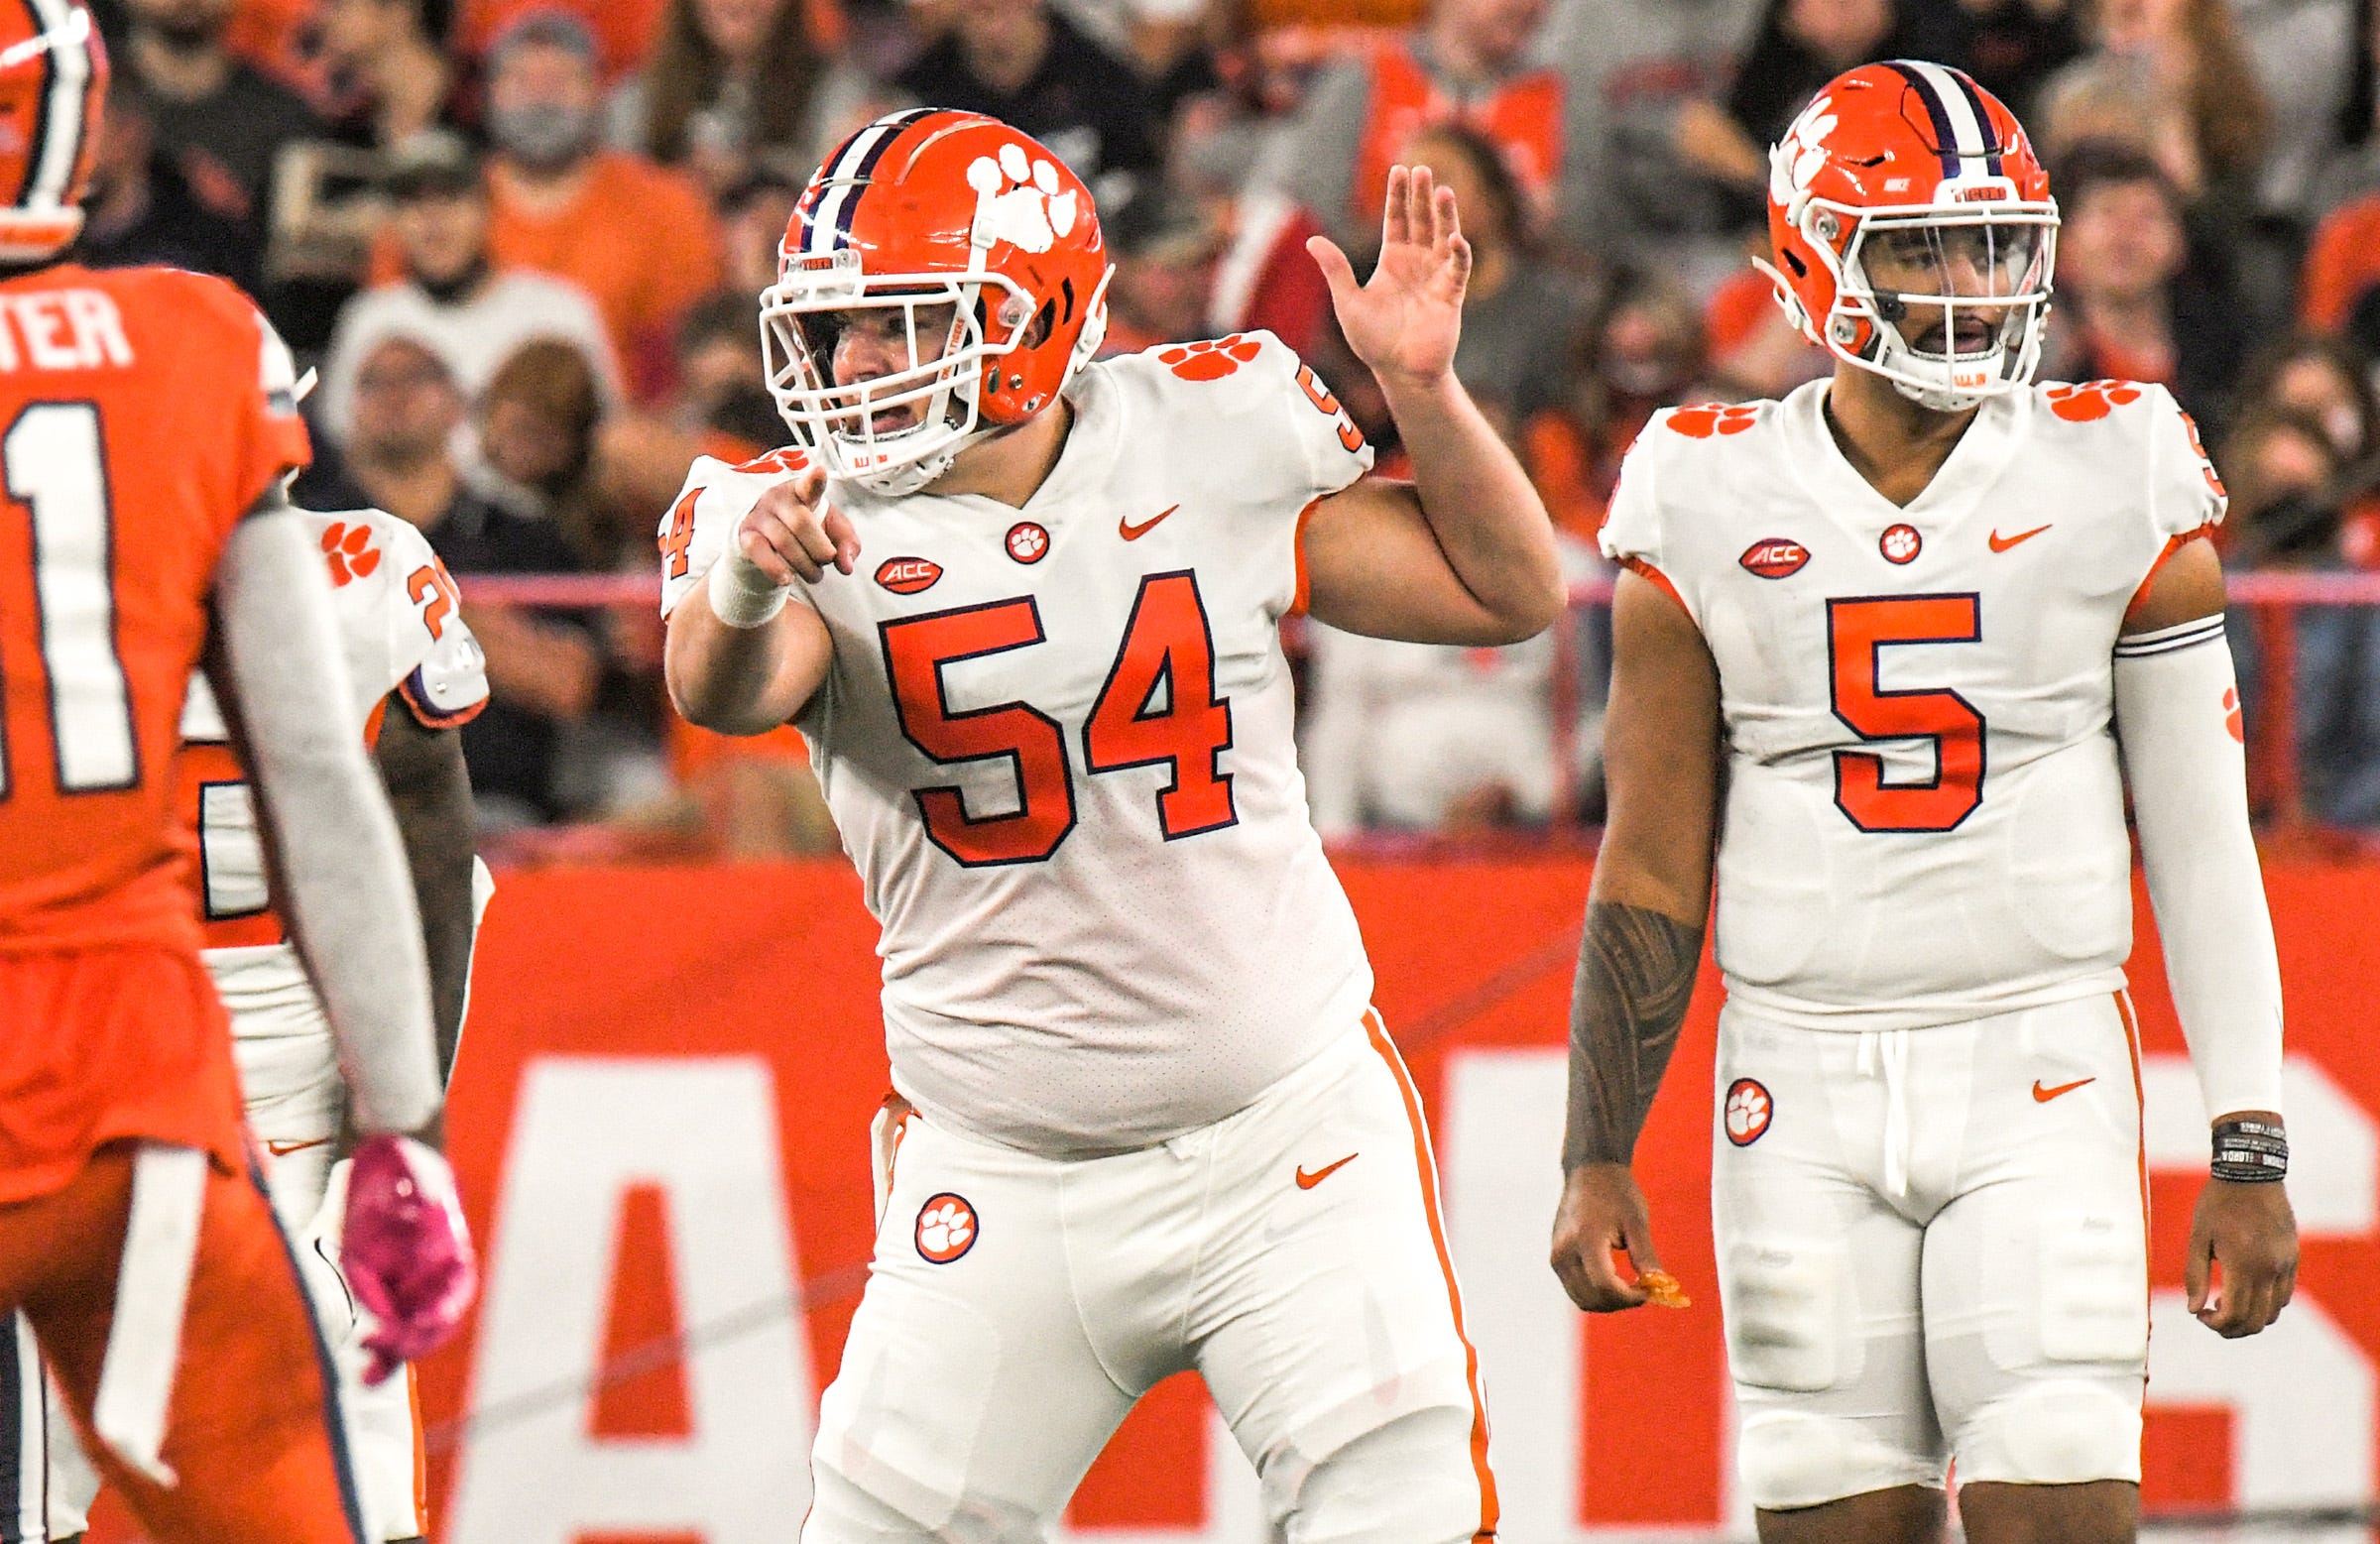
pixel 53 81
pixel 922 210
pixel 1914 233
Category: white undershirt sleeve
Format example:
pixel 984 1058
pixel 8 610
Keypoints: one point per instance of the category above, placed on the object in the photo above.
pixel 2177 720
pixel 341 866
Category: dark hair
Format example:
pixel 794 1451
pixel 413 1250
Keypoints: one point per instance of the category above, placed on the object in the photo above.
pixel 2264 368
pixel 2092 164
pixel 725 315
pixel 687 70
pixel 1506 202
pixel 554 378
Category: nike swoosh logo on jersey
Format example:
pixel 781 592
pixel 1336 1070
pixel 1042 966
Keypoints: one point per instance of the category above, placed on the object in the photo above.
pixel 283 1149
pixel 2000 544
pixel 1132 532
pixel 1306 1181
pixel 2042 1096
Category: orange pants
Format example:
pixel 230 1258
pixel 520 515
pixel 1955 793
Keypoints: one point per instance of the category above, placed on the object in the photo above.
pixel 252 1432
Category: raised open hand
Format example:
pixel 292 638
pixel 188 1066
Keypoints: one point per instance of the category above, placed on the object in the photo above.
pixel 1405 321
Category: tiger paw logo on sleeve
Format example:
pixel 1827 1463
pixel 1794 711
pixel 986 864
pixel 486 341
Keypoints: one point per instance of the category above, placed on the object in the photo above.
pixel 1708 419
pixel 349 552
pixel 1210 359
pixel 2091 400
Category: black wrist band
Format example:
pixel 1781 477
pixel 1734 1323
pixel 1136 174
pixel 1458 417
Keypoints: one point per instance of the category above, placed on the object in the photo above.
pixel 2250 1152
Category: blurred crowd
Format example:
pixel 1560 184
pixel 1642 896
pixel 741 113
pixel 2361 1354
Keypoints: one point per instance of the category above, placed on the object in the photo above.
pixel 522 239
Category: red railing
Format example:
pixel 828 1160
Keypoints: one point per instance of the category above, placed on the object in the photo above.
pixel 2269 598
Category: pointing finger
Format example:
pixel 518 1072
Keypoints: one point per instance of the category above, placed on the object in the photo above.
pixel 839 530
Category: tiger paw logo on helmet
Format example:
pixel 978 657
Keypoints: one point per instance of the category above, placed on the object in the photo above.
pixel 1802 153
pixel 349 551
pixel 1019 200
pixel 1211 360
pixel 2091 400
pixel 1708 419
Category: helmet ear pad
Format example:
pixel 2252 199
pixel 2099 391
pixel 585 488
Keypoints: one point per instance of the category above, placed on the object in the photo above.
pixel 1004 388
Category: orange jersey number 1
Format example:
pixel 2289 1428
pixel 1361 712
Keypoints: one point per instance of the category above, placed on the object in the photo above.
pixel 56 468
pixel 1858 630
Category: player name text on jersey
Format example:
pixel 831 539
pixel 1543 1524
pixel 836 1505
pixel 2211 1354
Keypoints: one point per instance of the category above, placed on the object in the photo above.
pixel 62 329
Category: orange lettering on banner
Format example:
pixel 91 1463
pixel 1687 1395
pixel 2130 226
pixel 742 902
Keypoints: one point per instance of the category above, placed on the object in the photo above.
pixel 2186 1456
pixel 776 962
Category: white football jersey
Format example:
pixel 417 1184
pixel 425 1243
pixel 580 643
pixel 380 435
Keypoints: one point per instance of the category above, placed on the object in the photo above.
pixel 1057 742
pixel 1924 818
pixel 396 609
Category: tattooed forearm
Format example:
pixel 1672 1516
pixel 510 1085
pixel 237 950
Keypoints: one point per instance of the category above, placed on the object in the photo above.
pixel 1636 971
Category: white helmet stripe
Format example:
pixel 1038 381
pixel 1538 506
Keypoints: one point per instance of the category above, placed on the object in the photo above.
pixel 1970 136
pixel 65 38
pixel 840 180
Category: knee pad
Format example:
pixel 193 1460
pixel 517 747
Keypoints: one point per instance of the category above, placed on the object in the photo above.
pixel 2054 1431
pixel 1416 1478
pixel 1792 1457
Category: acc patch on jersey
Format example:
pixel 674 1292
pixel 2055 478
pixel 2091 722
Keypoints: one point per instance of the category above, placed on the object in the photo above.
pixel 907 575
pixel 1774 557
pixel 946 1229
pixel 1746 1111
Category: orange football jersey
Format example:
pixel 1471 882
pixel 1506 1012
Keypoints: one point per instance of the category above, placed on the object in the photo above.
pixel 142 412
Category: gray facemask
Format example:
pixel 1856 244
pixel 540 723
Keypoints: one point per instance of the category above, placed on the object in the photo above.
pixel 544 137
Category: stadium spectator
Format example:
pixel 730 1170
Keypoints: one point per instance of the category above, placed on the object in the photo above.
pixel 1519 316
pixel 1797 46
pixel 1629 69
pixel 1640 349
pixel 753 214
pixel 2339 290
pixel 140 210
pixel 639 239
pixel 1755 349
pixel 543 670
pixel 1165 252
pixel 2173 77
pixel 390 76
pixel 1026 64
pixel 729 82
pixel 1264 276
pixel 2286 481
pixel 2302 53
pixel 623 30
pixel 451 294
pixel 1469 61
pixel 2010 46
pixel 2130 308
pixel 538 419
pixel 2330 382
pixel 222 119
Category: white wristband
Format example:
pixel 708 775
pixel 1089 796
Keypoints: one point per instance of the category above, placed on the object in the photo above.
pixel 741 595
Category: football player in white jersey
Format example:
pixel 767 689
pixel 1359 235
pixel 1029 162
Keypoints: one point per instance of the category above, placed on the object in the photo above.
pixel 418 676
pixel 1895 648
pixel 1149 1121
